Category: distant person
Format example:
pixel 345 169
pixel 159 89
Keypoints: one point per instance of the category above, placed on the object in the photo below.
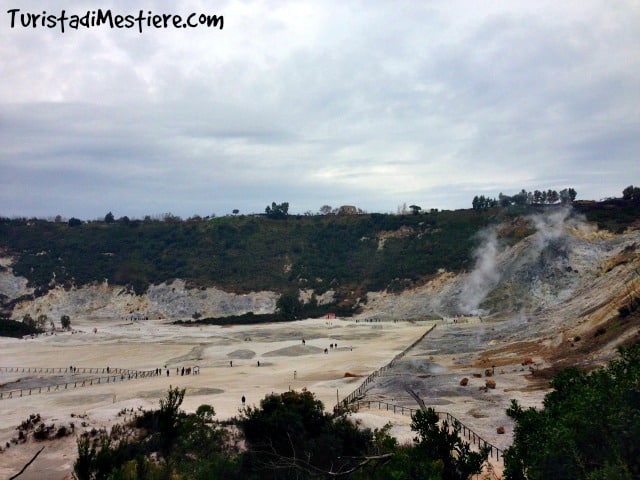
pixel 243 400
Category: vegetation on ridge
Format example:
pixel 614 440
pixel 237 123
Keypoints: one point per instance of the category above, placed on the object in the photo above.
pixel 245 253
pixel 348 253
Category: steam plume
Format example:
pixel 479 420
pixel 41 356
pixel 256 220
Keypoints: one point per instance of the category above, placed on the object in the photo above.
pixel 484 276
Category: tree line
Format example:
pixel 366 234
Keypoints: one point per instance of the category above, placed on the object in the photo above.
pixel 288 436
pixel 537 197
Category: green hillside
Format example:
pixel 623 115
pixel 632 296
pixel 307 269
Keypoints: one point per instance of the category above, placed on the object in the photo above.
pixel 247 252
pixel 351 254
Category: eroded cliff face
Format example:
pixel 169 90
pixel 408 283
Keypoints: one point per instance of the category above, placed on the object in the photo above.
pixel 566 271
pixel 11 286
pixel 167 300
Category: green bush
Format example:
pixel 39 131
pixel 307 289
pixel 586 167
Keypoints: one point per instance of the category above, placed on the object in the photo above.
pixel 589 426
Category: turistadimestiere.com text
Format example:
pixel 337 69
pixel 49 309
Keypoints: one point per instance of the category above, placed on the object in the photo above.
pixel 106 18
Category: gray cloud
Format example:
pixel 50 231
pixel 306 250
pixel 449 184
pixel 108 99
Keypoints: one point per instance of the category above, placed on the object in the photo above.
pixel 367 103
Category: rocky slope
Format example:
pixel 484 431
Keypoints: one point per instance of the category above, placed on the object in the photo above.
pixel 167 300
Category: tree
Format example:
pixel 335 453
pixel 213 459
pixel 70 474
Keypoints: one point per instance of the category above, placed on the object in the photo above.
pixel 482 202
pixel 190 445
pixel 504 200
pixel 291 436
pixel 325 210
pixel 65 322
pixel 28 320
pixel 520 198
pixel 289 306
pixel 588 428
pixel 631 193
pixel 235 211
pixel 74 222
pixel 109 218
pixel 552 196
pixel 168 419
pixel 415 209
pixel 439 447
pixel 537 197
pixel 41 321
pixel 277 211
pixel 567 195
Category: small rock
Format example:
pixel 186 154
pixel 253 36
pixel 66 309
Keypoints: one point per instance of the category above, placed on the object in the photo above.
pixel 490 383
pixel 500 430
pixel 488 372
pixel 464 382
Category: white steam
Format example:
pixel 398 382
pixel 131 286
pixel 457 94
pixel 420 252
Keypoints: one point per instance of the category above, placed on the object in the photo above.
pixel 549 227
pixel 485 275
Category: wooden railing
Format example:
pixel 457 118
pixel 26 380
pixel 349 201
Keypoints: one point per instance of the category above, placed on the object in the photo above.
pixel 356 398
pixel 359 392
pixel 112 375
pixel 473 438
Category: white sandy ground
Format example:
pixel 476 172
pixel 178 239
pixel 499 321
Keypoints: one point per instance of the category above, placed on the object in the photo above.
pixel 143 345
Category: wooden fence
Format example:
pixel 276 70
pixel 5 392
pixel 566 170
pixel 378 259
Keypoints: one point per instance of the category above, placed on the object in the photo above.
pixel 359 392
pixel 356 397
pixel 473 438
pixel 112 375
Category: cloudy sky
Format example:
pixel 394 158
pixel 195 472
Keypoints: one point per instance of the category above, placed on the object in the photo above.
pixel 368 103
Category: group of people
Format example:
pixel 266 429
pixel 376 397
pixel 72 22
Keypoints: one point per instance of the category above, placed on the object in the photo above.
pixel 187 371
pixel 180 371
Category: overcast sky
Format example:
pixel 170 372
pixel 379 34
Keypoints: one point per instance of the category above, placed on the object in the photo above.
pixel 367 103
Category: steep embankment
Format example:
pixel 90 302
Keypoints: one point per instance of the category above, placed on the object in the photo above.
pixel 566 295
pixel 167 300
pixel 556 294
